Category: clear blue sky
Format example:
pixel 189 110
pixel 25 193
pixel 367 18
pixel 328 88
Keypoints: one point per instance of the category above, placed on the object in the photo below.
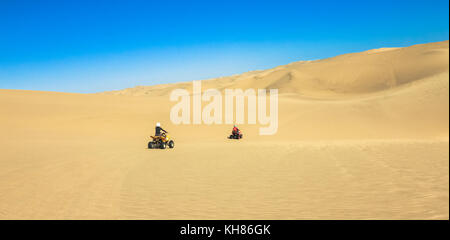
pixel 90 46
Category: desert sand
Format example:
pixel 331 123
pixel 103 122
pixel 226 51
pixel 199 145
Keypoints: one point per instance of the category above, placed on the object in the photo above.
pixel 361 136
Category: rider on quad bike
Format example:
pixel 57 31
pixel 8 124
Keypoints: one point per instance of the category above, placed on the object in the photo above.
pixel 236 133
pixel 161 138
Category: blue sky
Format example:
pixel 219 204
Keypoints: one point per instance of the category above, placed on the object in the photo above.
pixel 91 46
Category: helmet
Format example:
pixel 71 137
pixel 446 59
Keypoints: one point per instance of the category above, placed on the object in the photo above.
pixel 158 124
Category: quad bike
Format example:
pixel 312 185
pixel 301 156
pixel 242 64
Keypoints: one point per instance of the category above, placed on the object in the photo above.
pixel 236 135
pixel 162 142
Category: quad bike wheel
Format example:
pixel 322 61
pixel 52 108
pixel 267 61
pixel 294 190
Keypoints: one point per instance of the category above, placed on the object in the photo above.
pixel 162 145
pixel 235 136
pixel 150 145
pixel 171 144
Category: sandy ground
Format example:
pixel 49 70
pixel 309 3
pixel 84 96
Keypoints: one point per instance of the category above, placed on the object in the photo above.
pixel 353 144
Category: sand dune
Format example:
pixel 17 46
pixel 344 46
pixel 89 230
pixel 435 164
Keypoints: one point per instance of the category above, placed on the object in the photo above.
pixel 361 136
pixel 349 74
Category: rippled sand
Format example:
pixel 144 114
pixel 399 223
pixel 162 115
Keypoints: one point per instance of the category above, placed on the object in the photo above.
pixel 291 180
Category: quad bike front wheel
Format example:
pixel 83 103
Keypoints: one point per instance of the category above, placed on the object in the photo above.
pixel 171 144
pixel 162 145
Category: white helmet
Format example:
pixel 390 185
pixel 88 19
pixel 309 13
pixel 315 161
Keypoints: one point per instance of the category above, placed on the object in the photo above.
pixel 158 124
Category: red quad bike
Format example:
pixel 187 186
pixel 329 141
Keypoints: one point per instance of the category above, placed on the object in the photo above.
pixel 235 135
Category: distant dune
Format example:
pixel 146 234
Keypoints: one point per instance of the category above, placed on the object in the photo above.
pixel 361 136
pixel 356 73
pixel 381 93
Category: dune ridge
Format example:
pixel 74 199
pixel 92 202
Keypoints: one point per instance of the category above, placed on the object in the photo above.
pixel 349 74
